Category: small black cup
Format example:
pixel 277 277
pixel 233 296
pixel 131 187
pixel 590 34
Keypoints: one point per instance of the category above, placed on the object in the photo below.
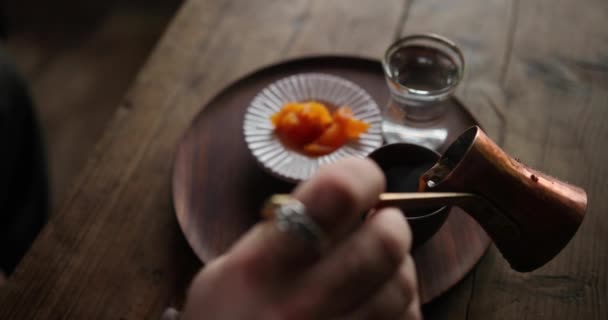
pixel 403 164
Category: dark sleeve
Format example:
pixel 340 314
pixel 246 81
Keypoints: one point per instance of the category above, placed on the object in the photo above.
pixel 23 180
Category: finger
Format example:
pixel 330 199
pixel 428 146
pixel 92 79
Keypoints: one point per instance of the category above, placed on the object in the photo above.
pixel 334 199
pixel 356 270
pixel 387 304
pixel 409 280
pixel 413 312
pixel 395 299
pixel 341 193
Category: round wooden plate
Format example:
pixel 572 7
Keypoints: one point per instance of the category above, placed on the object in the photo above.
pixel 218 188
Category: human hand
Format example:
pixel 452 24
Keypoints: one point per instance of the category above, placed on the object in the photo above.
pixel 366 272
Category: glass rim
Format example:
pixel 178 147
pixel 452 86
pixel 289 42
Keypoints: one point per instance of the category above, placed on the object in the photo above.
pixel 424 36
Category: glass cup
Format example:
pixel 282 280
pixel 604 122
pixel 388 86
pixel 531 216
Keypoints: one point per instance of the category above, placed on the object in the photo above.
pixel 422 72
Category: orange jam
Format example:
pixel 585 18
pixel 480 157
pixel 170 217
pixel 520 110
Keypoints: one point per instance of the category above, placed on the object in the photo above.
pixel 309 127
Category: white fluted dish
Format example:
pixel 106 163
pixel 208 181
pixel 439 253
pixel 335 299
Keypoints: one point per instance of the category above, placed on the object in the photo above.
pixel 291 165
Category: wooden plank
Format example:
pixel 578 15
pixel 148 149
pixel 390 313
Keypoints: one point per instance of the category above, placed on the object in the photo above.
pixel 344 27
pixel 79 75
pixel 114 250
pixel 556 85
pixel 482 30
pixel 67 282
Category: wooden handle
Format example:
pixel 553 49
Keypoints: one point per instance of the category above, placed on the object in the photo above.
pixel 421 200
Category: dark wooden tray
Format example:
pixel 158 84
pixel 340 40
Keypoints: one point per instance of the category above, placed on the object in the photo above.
pixel 218 188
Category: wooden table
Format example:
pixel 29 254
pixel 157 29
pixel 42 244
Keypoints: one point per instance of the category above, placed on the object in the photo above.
pixel 537 80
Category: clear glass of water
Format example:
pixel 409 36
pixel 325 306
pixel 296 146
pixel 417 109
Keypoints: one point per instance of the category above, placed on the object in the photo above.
pixel 422 72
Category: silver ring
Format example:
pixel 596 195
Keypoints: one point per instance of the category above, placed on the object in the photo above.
pixel 290 217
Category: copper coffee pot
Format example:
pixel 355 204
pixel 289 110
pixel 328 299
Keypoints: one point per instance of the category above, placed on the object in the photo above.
pixel 529 215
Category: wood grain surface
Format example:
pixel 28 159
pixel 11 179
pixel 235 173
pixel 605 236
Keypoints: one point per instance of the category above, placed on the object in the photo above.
pixel 537 79
pixel 79 58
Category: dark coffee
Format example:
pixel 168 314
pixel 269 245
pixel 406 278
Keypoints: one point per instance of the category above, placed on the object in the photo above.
pixel 423 68
pixel 403 164
pixel 405 178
